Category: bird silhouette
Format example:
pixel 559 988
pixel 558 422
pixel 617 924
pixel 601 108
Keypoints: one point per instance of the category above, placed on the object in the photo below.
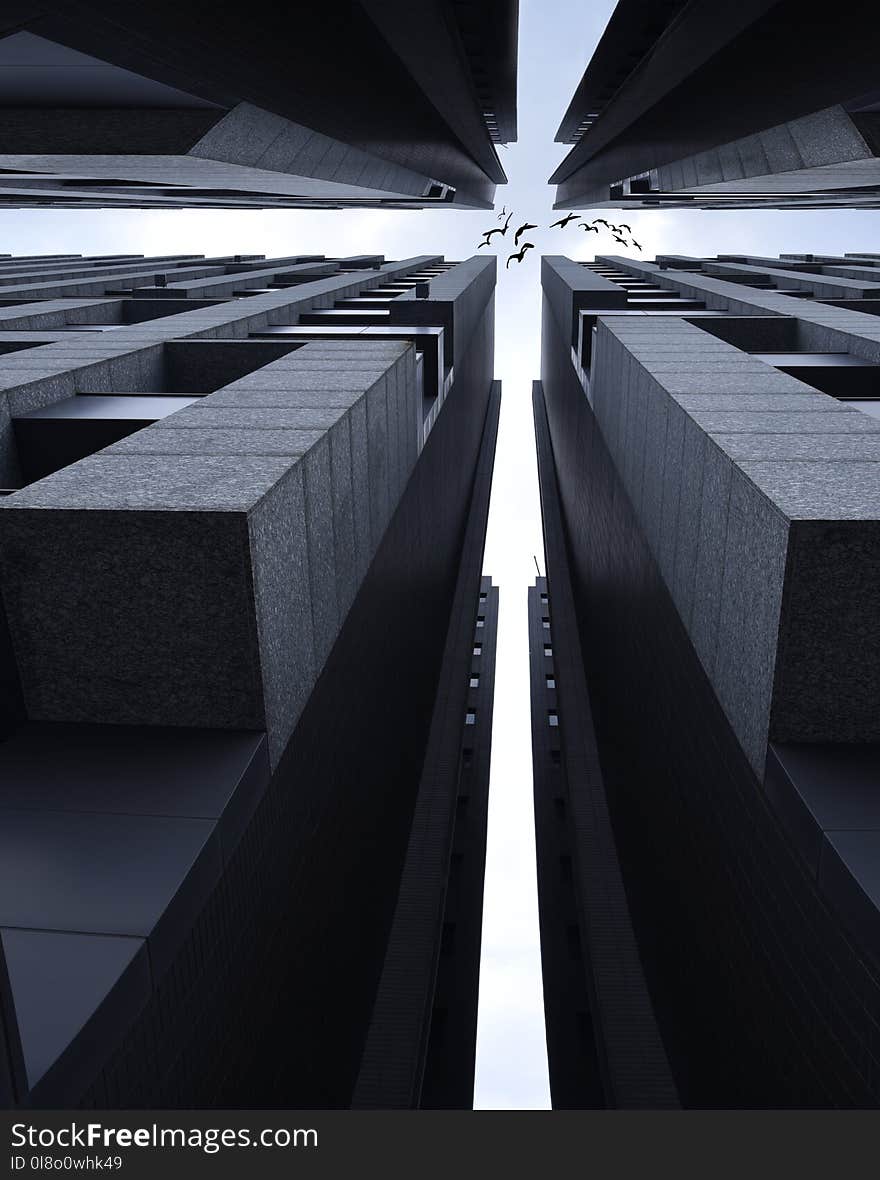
pixel 520 255
pixel 635 243
pixel 621 240
pixel 623 225
pixel 601 221
pixel 503 211
pixel 563 221
pixel 487 234
pixel 522 229
pixel 590 229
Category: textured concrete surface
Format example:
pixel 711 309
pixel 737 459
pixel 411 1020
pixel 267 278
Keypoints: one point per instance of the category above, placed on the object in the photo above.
pixel 334 139
pixel 215 580
pixel 198 572
pixel 668 138
pixel 735 482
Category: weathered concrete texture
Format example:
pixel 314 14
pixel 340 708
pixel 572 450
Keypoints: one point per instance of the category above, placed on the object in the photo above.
pixel 228 594
pixel 651 126
pixel 122 616
pixel 198 572
pixel 762 517
pixel 282 556
pixel 334 137
pixel 567 286
pixel 163 353
pixel 270 144
pixel 234 441
pixel 810 152
pixel 458 299
pixel 830 606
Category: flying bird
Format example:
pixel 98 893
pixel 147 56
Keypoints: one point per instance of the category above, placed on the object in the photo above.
pixel 520 255
pixel 487 234
pixel 621 240
pixel 522 229
pixel 635 243
pixel 503 211
pixel 590 229
pixel 623 225
pixel 563 221
pixel 601 221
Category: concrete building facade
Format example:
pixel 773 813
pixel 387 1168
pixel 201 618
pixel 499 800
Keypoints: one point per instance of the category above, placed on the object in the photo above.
pixel 692 104
pixel 358 103
pixel 707 437
pixel 240 561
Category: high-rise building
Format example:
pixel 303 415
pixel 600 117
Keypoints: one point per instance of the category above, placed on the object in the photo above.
pixel 604 1048
pixel 708 434
pixel 691 103
pixel 170 105
pixel 399 1068
pixel 247 678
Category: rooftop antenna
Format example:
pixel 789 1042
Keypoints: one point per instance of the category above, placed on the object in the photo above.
pixel 537 567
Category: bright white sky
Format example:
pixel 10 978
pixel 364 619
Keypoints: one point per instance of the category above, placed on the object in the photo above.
pixel 557 38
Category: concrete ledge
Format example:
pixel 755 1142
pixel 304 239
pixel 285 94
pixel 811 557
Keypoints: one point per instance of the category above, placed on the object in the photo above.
pixel 763 518
pixel 198 573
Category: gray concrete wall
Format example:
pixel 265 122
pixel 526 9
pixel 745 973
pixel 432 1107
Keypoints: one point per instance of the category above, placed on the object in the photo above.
pixel 759 498
pixel 130 359
pixel 197 572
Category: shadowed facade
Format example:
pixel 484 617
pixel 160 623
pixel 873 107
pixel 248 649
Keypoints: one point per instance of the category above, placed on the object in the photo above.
pixel 240 558
pixel 762 105
pixel 361 103
pixel 707 439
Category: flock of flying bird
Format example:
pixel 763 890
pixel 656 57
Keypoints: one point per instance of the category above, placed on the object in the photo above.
pixel 590 227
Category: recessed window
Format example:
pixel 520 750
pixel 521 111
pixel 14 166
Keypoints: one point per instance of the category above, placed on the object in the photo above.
pixel 551 681
pixel 467 757
pixel 545 623
pixel 470 718
pixel 483 597
pixel 552 718
pixel 544 598
pixel 475 682
pixel 478 649
pixel 556 757
pixel 548 651
pixel 481 622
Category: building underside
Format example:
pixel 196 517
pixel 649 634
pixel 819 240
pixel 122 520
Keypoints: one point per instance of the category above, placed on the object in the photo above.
pixel 688 104
pixel 359 103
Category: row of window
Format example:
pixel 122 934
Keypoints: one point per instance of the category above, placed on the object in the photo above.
pixel 549 680
pixel 471 716
pixel 447 943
